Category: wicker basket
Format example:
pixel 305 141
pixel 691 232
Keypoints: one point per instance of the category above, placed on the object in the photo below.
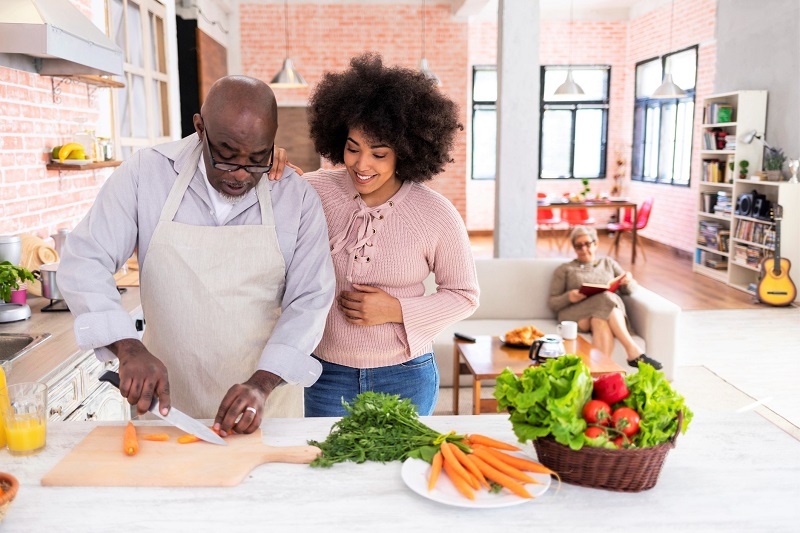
pixel 10 485
pixel 624 470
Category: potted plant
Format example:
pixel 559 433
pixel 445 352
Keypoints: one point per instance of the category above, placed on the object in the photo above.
pixel 773 163
pixel 586 190
pixel 10 278
pixel 743 164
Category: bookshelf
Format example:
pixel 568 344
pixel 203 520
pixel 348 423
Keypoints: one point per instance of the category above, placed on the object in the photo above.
pixel 726 117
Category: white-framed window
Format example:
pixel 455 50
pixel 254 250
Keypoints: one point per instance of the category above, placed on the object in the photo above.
pixel 662 128
pixel 142 107
pixel 484 122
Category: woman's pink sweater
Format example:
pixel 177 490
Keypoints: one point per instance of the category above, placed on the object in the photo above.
pixel 394 247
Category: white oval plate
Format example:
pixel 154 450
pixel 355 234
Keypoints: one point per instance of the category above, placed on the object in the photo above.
pixel 78 162
pixel 415 474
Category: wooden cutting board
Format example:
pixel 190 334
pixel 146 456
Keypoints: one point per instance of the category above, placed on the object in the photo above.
pixel 98 460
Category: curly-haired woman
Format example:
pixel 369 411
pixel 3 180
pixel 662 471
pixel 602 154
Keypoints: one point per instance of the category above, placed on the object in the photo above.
pixel 392 130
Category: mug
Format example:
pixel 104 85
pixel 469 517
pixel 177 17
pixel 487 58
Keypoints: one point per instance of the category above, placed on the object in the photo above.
pixel 568 330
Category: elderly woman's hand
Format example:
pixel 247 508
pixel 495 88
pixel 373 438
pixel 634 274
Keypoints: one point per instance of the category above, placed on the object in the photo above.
pixel 576 296
pixel 626 279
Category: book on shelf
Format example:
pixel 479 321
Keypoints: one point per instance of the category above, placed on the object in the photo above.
pixel 717 113
pixel 717 264
pixel 590 289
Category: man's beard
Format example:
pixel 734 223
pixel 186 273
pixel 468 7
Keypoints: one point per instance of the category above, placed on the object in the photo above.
pixel 230 199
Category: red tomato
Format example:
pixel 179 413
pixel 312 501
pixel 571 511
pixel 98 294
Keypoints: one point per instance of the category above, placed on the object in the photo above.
pixel 597 412
pixel 626 420
pixel 619 441
pixel 594 432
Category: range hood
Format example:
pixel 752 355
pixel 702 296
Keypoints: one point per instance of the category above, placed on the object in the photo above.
pixel 62 41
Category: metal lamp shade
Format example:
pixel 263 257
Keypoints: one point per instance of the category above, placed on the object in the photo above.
pixel 668 89
pixel 288 77
pixel 569 87
pixel 423 67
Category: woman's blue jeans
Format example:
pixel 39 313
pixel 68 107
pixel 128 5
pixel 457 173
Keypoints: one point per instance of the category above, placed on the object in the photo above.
pixel 417 379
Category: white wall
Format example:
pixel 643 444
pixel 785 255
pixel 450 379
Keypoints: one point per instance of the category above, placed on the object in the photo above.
pixel 758 47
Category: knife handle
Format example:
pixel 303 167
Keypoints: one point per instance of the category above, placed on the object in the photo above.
pixel 110 377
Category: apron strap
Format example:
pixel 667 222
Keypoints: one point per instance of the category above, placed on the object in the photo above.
pixel 181 184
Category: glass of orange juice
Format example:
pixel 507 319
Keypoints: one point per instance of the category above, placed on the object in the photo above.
pixel 24 407
pixel 5 368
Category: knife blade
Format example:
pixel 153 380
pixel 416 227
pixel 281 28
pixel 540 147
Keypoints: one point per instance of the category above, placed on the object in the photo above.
pixel 177 418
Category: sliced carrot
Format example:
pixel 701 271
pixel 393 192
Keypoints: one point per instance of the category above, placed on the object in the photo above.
pixel 436 467
pixel 505 468
pixel 493 443
pixel 158 437
pixel 449 457
pixel 520 463
pixel 130 444
pixel 499 477
pixel 186 439
pixel 459 482
pixel 469 466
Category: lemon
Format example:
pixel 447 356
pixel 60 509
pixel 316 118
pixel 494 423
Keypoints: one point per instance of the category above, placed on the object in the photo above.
pixel 77 153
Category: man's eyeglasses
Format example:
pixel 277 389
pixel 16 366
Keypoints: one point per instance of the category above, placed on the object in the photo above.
pixel 232 167
pixel 587 244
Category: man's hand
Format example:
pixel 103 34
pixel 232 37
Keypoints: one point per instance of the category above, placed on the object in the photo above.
pixel 369 306
pixel 141 375
pixel 243 405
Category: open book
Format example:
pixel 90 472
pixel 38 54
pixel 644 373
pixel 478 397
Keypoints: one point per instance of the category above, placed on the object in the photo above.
pixel 590 289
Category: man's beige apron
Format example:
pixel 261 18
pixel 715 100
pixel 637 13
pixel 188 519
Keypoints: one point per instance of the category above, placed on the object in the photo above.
pixel 211 296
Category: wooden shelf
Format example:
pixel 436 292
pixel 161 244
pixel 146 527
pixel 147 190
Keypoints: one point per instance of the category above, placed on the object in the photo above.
pixel 98 81
pixel 88 166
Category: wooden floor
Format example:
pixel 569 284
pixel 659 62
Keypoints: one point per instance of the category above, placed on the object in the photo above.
pixel 664 271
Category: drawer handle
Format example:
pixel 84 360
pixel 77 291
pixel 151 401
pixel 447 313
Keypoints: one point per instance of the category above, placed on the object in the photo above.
pixel 54 411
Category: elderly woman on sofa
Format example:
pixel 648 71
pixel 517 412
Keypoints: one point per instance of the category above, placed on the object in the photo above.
pixel 602 314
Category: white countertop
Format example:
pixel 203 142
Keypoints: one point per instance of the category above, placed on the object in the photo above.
pixel 716 479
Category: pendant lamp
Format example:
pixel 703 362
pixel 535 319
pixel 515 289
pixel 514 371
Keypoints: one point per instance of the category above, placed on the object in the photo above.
pixel 287 77
pixel 423 62
pixel 569 87
pixel 668 88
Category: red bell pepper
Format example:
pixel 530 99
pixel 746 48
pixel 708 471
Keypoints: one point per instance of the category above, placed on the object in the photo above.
pixel 610 388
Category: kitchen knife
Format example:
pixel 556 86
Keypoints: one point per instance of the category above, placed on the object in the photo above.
pixel 175 417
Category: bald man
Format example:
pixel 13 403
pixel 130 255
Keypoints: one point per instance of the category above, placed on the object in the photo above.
pixel 235 271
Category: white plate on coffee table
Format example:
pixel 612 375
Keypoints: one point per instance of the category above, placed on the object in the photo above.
pixel 415 473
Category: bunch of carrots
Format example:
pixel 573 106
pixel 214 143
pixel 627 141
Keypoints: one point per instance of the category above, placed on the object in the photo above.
pixel 130 441
pixel 484 464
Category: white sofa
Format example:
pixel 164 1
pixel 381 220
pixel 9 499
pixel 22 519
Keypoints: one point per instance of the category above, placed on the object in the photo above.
pixel 514 293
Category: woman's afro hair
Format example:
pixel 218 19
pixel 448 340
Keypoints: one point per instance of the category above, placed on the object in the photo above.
pixel 393 105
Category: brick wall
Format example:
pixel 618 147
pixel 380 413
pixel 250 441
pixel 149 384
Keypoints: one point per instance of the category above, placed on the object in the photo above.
pixel 620 44
pixel 325 36
pixel 33 199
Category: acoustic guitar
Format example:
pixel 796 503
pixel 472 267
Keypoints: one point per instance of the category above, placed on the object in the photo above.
pixel 775 286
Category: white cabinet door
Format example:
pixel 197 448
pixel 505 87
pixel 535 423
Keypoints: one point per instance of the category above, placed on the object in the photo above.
pixel 104 404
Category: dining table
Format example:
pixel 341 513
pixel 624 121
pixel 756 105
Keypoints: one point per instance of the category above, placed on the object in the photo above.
pixel 713 480
pixel 619 205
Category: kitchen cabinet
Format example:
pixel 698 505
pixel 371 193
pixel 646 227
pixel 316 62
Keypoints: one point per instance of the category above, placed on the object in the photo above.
pixel 71 374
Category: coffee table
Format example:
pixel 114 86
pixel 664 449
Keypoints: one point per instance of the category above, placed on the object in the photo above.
pixel 488 356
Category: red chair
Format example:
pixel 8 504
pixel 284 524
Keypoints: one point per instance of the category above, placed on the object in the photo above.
pixel 643 215
pixel 547 219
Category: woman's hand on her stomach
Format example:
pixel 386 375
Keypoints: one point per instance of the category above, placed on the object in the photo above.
pixel 369 306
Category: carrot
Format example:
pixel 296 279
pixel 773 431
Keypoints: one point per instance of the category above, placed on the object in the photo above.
pixel 449 457
pixel 158 437
pixel 505 468
pixel 436 467
pixel 130 444
pixel 470 466
pixel 459 482
pixel 499 477
pixel 186 439
pixel 492 443
pixel 520 463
